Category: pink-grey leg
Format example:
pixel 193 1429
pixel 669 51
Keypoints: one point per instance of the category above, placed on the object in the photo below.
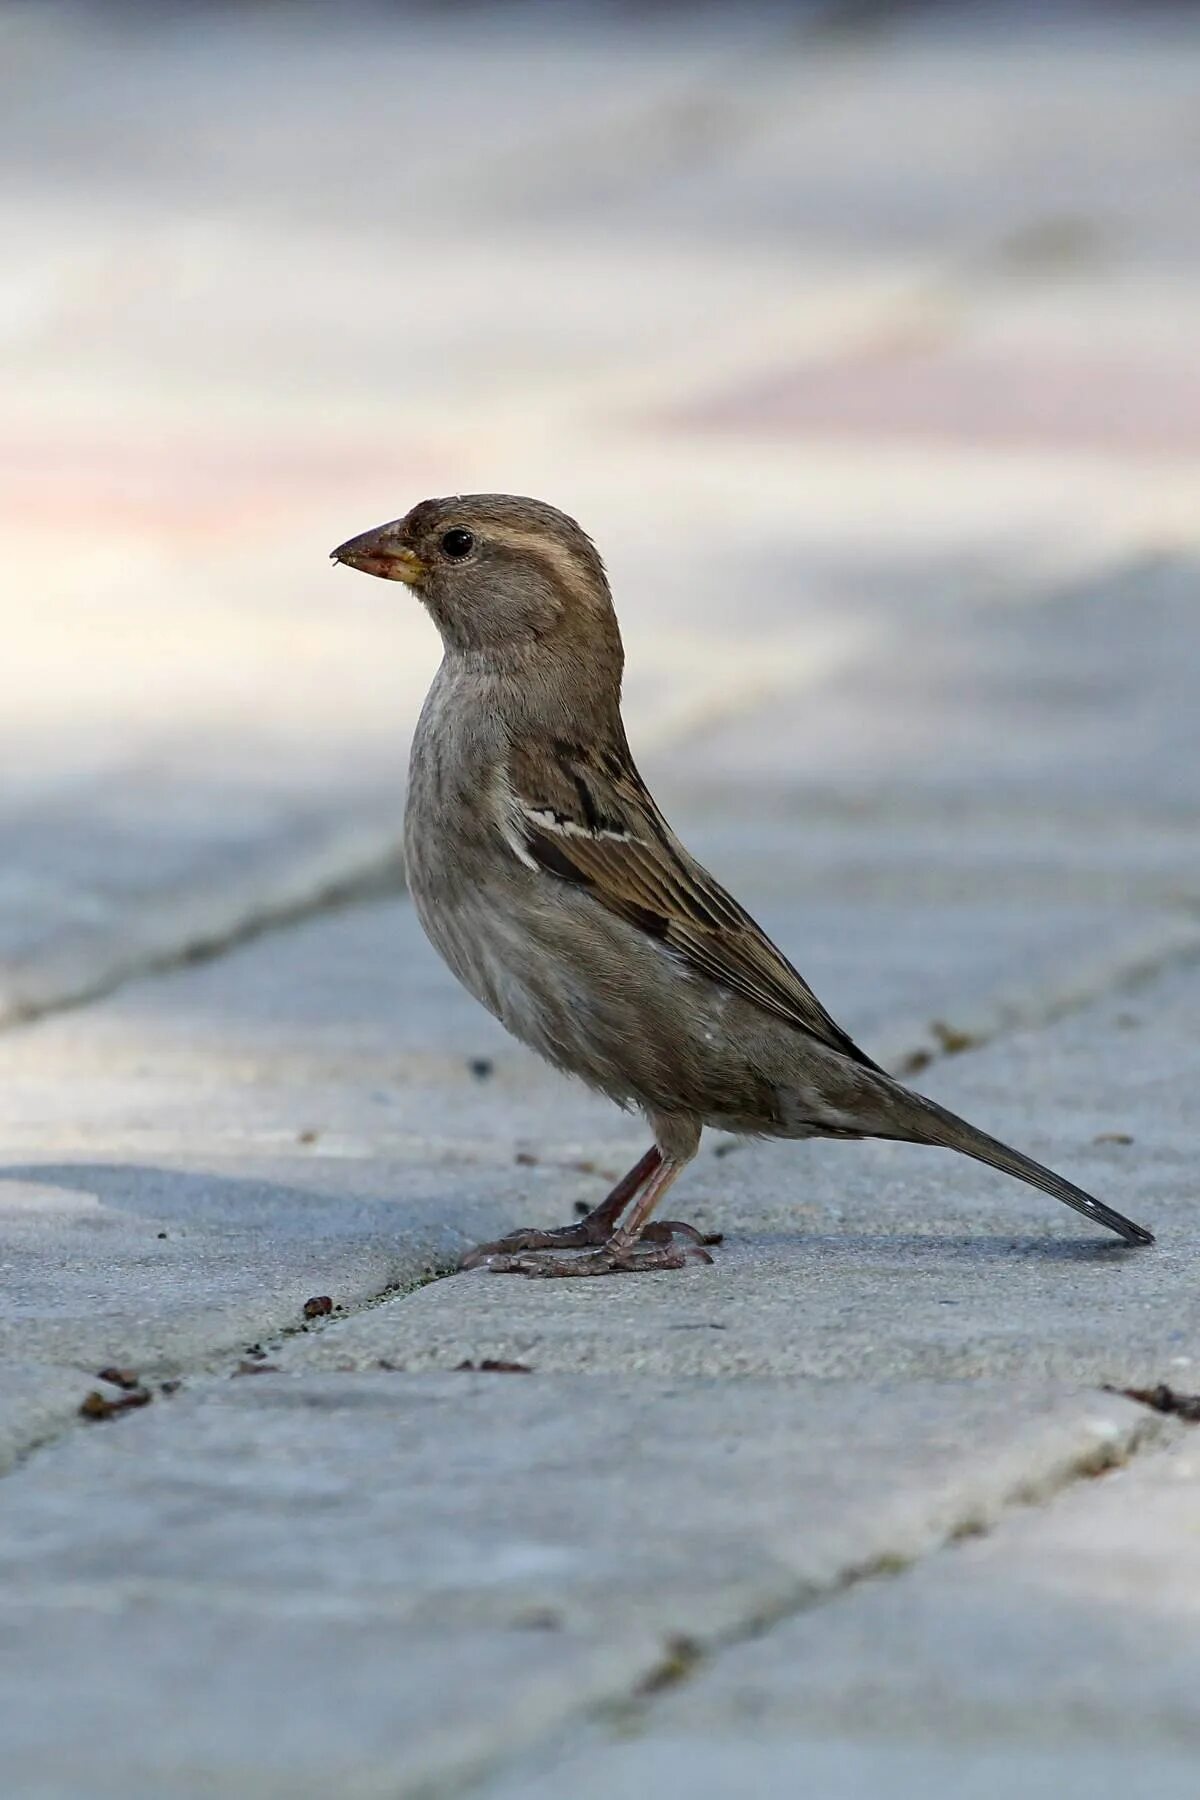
pixel 636 1246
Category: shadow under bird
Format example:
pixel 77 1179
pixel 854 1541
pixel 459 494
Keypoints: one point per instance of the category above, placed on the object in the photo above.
pixel 545 875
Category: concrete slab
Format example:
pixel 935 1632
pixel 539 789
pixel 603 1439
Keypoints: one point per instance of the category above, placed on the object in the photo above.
pixel 857 475
pixel 877 1260
pixel 221 335
pixel 325 1112
pixel 1057 1655
pixel 371 1584
pixel 1074 704
pixel 706 1768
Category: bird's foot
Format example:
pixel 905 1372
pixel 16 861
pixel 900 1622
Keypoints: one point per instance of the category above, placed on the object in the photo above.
pixel 588 1234
pixel 636 1259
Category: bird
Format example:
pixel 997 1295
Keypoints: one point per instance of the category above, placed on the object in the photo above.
pixel 544 873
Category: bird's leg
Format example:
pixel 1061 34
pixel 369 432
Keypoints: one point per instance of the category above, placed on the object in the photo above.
pixel 627 1250
pixel 596 1228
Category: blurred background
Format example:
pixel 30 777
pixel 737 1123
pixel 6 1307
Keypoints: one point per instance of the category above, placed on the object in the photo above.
pixel 862 337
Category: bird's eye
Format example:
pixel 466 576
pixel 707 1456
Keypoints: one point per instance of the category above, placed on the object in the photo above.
pixel 457 543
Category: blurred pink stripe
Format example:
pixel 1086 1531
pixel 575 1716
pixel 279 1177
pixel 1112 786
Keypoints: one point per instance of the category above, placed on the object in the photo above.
pixel 1032 398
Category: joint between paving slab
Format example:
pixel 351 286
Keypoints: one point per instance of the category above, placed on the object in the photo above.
pixel 167 1379
pixel 765 676
pixel 947 1039
pixel 685 1656
pixel 302 889
pixel 168 931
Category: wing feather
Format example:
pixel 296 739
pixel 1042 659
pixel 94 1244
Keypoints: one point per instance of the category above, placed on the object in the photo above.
pixel 595 824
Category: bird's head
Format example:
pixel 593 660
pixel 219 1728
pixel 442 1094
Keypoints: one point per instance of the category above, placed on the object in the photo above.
pixel 505 579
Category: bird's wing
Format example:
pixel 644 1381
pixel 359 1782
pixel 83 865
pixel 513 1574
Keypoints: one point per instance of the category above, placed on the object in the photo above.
pixel 590 819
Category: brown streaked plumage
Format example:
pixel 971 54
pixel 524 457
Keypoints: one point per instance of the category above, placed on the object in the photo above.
pixel 544 873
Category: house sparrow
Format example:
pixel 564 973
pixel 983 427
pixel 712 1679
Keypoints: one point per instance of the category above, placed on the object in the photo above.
pixel 547 878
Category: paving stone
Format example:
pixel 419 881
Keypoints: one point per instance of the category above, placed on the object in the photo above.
pixel 1057 1655
pixel 374 1583
pixel 324 1111
pixel 709 1769
pixel 197 713
pixel 874 1260
pixel 914 669
pixel 1075 705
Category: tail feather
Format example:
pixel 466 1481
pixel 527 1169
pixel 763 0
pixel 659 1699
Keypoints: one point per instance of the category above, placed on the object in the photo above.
pixel 948 1129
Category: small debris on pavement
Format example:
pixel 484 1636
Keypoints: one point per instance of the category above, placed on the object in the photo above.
pixel 255 1352
pixel 680 1656
pixel 914 1062
pixel 307 1137
pixel 492 1365
pixel 481 1067
pixel 422 1280
pixel 99 1406
pixel 951 1040
pixel 318 1307
pixel 257 1368
pixel 537 1618
pixel 1112 1137
pixel 170 1387
pixel 525 1159
pixel 122 1378
pixel 1163 1399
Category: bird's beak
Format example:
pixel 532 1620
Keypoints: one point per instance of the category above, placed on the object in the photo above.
pixel 381 552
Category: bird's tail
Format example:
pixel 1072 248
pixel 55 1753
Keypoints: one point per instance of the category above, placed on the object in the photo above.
pixel 932 1124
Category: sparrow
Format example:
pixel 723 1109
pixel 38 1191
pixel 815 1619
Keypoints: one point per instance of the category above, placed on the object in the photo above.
pixel 547 878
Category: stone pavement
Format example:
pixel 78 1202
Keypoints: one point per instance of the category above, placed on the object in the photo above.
pixel 833 338
pixel 333 1558
pixel 866 351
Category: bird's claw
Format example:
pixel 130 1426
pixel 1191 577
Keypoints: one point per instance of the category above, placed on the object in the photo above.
pixel 638 1259
pixel 499 1255
pixel 661 1231
pixel 565 1237
pixel 508 1255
